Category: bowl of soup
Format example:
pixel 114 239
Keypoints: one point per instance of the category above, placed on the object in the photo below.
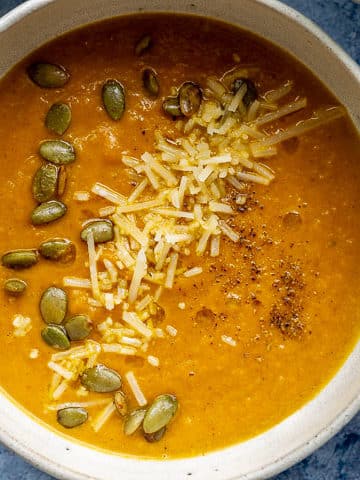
pixel 179 248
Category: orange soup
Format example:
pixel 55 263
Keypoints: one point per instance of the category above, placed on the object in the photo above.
pixel 179 235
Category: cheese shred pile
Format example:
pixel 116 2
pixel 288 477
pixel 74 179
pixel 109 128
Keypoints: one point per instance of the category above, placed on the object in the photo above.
pixel 186 193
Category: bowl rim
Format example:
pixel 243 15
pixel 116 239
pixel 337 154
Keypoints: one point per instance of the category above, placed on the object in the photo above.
pixel 54 468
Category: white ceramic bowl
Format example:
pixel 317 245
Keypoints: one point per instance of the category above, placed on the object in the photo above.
pixel 307 429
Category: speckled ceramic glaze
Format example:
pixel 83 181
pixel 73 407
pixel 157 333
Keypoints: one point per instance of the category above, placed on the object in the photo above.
pixel 309 427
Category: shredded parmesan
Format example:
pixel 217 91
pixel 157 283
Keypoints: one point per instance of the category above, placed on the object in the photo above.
pixel 171 330
pixel 153 361
pixel 92 265
pixel 92 403
pixel 104 416
pixel 109 194
pixel 134 321
pixel 170 274
pixel 193 271
pixel 139 273
pixel 185 196
pixel 60 390
pixel 75 282
pixel 22 325
pixel 63 372
pixel 34 353
pixel 228 340
pixel 82 196
pixel 136 390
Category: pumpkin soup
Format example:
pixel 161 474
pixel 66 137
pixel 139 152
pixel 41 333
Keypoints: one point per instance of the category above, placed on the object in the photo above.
pixel 180 250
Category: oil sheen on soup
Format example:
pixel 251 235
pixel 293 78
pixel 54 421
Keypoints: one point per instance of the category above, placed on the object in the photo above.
pixel 179 240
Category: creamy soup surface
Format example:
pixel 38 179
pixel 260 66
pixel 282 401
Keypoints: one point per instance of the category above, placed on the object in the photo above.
pixel 252 307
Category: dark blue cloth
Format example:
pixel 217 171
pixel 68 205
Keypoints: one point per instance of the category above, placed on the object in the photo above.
pixel 339 459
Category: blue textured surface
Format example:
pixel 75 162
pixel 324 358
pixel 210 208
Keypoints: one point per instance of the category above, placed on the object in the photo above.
pixel 339 459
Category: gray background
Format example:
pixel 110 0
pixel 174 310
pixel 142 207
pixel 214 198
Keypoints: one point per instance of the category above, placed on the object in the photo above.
pixel 339 459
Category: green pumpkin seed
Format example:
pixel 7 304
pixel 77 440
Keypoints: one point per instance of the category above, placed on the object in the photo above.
pixel 150 82
pixel 134 420
pixel 156 436
pixel 61 181
pixel 58 249
pixel 45 183
pixel 157 313
pixel 143 45
pixel 121 403
pixel 55 336
pixel 113 97
pixel 171 107
pixel 251 93
pixel 160 413
pixel 292 219
pixel 20 258
pixel 15 286
pixel 48 75
pixel 53 305
pixel 58 152
pixel 48 212
pixel 101 379
pixel 71 417
pixel 190 97
pixel 58 118
pixel 78 327
pixel 102 230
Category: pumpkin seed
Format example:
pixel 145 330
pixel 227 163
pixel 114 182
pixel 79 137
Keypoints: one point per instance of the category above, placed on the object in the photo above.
pixel 143 45
pixel 101 379
pixel 160 413
pixel 58 249
pixel 157 313
pixel 71 417
pixel 190 97
pixel 171 106
pixel 58 118
pixel 61 181
pixel 102 230
pixel 113 97
pixel 53 305
pixel 134 420
pixel 78 327
pixel 58 152
pixel 292 219
pixel 251 92
pixel 150 82
pixel 45 182
pixel 120 403
pixel 20 258
pixel 15 286
pixel 48 75
pixel 55 336
pixel 48 212
pixel 156 436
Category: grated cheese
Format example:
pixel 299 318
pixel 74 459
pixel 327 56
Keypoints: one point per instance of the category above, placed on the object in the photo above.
pixel 60 390
pixel 228 340
pixel 104 416
pixel 63 372
pixel 171 330
pixel 22 325
pixel 186 194
pixel 153 361
pixel 82 196
pixel 134 321
pixel 192 272
pixel 135 388
pixel 34 353
pixel 170 274
pixel 75 282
